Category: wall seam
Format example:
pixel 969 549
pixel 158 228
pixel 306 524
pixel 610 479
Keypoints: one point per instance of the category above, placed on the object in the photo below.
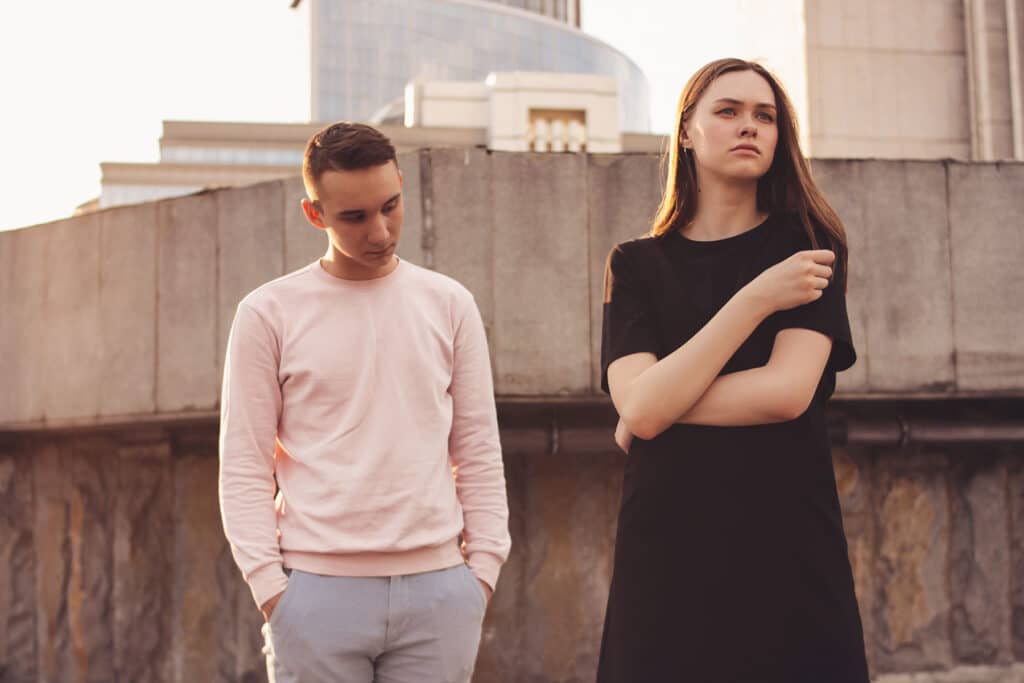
pixel 947 168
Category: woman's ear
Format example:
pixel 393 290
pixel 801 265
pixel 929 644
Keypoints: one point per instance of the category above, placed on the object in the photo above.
pixel 684 139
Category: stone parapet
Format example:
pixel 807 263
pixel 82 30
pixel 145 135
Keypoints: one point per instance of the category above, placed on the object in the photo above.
pixel 125 312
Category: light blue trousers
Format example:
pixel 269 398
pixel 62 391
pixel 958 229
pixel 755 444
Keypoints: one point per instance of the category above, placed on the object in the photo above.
pixel 419 628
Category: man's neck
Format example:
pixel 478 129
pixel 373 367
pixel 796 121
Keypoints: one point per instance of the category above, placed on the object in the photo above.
pixel 342 267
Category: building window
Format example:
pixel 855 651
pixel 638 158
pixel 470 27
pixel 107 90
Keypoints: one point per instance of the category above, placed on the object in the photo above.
pixel 557 130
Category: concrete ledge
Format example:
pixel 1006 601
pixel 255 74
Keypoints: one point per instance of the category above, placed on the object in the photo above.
pixel 126 311
pixel 961 674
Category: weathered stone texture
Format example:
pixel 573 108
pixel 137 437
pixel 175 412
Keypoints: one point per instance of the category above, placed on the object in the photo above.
pixel 911 602
pixel 566 505
pixel 119 571
pixel 187 371
pixel 853 471
pixel 8 341
pixel 94 490
pixel 911 308
pixel 1015 501
pixel 24 325
pixel 18 662
pixel 71 339
pixel 501 641
pixel 979 576
pixel 198 598
pixel 127 310
pixel 143 533
pixel 52 478
pixel 460 234
pixel 985 203
pixel 961 674
pixel 250 666
pixel 235 655
pixel 540 216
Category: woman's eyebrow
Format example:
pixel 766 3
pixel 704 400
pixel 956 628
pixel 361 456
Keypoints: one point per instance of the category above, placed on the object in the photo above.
pixel 732 100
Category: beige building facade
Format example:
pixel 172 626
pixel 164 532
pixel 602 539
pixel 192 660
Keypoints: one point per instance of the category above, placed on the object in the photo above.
pixel 915 79
pixel 516 111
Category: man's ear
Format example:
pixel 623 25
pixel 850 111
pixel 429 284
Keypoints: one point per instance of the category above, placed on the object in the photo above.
pixel 312 214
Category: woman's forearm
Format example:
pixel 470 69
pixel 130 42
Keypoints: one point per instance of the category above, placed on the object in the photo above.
pixel 779 391
pixel 740 399
pixel 670 388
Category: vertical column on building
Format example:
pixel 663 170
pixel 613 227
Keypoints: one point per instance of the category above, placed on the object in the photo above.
pixel 992 29
pixel 1015 54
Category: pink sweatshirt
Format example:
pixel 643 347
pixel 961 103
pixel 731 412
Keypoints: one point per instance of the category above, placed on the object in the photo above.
pixel 372 404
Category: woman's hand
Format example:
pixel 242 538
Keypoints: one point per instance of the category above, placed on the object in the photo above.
pixel 796 281
pixel 623 438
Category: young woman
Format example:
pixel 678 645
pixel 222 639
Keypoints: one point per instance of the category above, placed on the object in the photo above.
pixel 723 331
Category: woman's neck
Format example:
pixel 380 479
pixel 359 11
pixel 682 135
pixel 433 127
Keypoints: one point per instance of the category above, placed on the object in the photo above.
pixel 724 210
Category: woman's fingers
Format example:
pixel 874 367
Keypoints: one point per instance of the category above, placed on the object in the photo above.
pixel 823 256
pixel 822 271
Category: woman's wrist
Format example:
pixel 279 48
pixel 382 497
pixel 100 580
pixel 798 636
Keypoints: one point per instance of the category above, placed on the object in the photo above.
pixel 759 306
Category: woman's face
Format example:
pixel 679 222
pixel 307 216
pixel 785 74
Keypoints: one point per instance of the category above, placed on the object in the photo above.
pixel 732 131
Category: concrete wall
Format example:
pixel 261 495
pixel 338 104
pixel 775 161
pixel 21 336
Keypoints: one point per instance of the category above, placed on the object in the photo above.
pixel 116 568
pixel 113 331
pixel 124 313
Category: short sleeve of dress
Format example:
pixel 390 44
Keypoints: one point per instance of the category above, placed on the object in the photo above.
pixel 629 323
pixel 828 316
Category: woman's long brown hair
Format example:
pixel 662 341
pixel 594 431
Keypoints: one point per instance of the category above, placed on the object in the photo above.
pixel 786 187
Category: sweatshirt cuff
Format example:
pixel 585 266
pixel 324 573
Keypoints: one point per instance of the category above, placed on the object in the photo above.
pixel 485 567
pixel 266 582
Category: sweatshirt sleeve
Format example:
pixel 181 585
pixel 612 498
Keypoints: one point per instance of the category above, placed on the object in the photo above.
pixel 475 449
pixel 250 410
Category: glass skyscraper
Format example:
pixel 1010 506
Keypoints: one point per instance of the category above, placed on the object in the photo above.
pixel 365 51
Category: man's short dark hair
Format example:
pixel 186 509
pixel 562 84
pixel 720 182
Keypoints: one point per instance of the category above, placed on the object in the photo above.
pixel 344 146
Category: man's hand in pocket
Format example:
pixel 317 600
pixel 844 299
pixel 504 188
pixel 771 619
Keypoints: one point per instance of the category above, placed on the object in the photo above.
pixel 268 607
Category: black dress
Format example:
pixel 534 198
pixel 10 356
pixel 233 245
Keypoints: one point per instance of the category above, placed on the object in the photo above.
pixel 730 559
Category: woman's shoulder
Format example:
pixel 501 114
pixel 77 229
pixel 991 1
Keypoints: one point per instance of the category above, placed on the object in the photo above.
pixel 633 249
pixel 632 261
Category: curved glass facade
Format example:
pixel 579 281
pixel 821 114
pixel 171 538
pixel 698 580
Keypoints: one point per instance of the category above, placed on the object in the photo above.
pixel 365 51
pixel 563 10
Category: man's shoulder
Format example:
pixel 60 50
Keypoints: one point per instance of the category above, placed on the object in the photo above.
pixel 278 289
pixel 432 283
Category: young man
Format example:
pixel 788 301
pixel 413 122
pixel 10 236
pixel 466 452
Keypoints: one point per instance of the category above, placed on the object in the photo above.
pixel 361 384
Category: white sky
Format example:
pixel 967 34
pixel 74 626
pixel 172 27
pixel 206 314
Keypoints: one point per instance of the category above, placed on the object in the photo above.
pixel 85 81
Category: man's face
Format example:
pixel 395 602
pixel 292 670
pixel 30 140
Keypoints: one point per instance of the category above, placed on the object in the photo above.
pixel 361 211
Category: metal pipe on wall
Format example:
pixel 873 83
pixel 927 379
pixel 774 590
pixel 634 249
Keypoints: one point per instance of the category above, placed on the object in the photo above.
pixel 897 431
